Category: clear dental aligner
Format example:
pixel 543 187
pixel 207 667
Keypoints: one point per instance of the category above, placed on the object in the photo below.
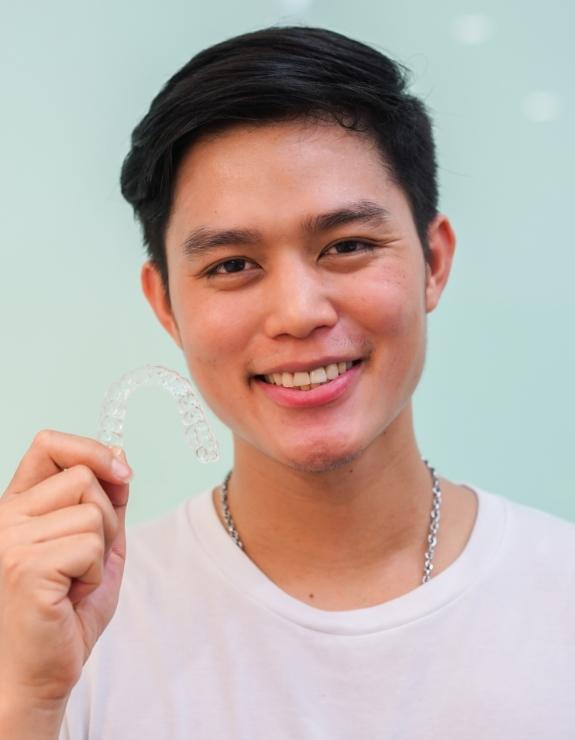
pixel 113 411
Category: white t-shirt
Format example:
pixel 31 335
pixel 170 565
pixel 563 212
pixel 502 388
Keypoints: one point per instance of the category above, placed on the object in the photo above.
pixel 204 645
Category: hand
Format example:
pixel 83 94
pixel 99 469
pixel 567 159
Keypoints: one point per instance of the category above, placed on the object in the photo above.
pixel 62 554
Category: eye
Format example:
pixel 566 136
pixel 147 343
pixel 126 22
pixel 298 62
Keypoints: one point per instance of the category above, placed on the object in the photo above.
pixel 365 246
pixel 235 262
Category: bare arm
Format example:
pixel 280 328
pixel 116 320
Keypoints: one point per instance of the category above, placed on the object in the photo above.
pixel 28 720
pixel 62 554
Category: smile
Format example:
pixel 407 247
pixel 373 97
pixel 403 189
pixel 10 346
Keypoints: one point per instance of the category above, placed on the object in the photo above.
pixel 308 380
pixel 312 394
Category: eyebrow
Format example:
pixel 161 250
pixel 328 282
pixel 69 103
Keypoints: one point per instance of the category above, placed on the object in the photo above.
pixel 204 240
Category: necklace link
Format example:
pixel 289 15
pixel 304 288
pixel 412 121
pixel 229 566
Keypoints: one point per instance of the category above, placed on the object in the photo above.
pixel 431 537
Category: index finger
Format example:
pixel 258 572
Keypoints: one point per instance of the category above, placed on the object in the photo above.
pixel 52 451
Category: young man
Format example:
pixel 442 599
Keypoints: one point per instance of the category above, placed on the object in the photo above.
pixel 286 185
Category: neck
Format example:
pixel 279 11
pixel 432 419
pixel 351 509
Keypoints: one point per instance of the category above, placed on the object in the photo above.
pixel 361 517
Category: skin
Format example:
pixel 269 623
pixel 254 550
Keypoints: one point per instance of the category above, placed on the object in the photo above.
pixel 333 502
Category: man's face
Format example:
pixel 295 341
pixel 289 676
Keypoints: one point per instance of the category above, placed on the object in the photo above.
pixel 285 292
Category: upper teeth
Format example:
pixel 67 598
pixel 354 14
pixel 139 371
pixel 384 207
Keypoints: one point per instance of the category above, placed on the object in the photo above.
pixel 315 377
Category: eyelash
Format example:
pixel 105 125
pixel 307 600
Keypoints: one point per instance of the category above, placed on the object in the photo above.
pixel 367 247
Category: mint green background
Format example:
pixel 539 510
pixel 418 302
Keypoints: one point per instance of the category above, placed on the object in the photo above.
pixel 495 406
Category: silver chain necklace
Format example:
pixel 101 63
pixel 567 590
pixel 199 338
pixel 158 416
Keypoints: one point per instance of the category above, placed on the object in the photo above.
pixel 431 537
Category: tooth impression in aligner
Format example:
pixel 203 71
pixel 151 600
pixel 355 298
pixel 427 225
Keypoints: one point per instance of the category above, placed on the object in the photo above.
pixel 198 434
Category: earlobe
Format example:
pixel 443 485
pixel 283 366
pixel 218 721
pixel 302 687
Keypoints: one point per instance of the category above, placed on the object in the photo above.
pixel 153 288
pixel 441 240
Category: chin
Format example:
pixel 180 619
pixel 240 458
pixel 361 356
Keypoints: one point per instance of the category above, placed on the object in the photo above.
pixel 321 459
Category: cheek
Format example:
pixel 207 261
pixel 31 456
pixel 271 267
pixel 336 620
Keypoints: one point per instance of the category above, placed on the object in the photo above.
pixel 212 331
pixel 395 318
pixel 214 338
pixel 402 329
pixel 392 307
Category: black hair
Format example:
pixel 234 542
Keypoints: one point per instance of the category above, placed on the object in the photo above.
pixel 277 74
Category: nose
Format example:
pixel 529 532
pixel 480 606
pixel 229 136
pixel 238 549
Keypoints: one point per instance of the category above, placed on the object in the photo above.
pixel 298 299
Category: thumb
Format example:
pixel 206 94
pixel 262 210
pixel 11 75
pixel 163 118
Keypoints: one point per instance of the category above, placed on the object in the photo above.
pixel 118 492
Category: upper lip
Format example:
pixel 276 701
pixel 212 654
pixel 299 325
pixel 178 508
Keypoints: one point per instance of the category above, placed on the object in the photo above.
pixel 294 367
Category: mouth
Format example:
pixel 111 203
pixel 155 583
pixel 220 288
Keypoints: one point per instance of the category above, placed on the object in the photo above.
pixel 307 381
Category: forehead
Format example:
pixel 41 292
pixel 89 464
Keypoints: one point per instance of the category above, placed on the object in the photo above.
pixel 274 174
pixel 284 147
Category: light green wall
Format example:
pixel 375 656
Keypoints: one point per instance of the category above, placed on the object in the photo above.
pixel 496 404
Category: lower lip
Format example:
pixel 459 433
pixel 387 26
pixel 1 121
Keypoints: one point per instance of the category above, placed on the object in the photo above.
pixel 319 396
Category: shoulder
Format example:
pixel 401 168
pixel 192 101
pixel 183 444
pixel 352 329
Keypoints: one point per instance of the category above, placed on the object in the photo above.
pixel 541 543
pixel 524 520
pixel 548 528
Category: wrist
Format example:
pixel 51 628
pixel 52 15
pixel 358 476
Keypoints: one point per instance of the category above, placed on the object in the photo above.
pixel 22 719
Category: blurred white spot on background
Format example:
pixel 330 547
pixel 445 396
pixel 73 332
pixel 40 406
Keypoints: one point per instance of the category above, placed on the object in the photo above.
pixel 295 6
pixel 541 106
pixel 472 29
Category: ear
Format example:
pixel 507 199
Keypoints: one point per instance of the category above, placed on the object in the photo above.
pixel 441 240
pixel 153 288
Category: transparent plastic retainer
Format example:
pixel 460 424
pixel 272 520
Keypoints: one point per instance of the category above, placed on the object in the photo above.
pixel 198 433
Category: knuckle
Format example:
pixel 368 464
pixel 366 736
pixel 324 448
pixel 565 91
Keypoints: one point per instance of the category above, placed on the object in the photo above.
pixel 84 475
pixel 95 544
pixel 43 438
pixel 93 515
pixel 12 564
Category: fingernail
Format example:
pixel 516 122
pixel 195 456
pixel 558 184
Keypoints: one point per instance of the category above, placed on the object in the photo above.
pixel 121 470
pixel 120 466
